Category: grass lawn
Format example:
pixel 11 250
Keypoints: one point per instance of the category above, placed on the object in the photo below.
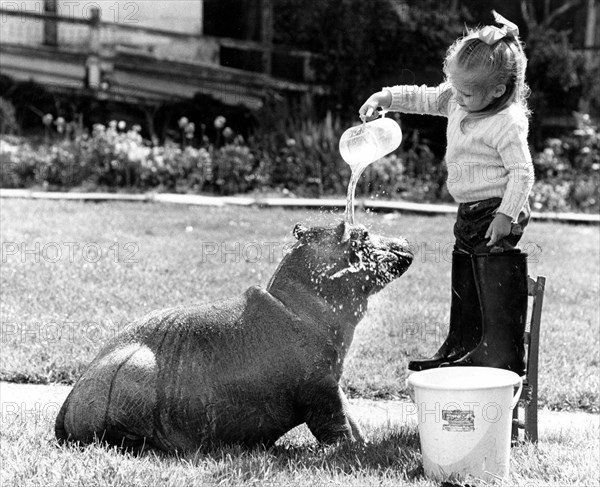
pixel 75 273
pixel 30 458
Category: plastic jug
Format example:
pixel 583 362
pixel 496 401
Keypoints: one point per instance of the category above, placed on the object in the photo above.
pixel 363 144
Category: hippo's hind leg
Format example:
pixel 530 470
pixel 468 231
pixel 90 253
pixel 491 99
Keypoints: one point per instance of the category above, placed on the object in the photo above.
pixel 114 401
pixel 132 401
pixel 328 416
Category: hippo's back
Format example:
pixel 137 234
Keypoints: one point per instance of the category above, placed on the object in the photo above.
pixel 182 377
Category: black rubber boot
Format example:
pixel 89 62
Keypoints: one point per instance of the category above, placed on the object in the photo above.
pixel 502 287
pixel 465 317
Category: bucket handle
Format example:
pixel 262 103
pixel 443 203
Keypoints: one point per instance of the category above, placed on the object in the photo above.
pixel 517 396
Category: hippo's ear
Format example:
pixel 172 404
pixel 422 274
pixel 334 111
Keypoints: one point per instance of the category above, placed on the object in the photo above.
pixel 299 231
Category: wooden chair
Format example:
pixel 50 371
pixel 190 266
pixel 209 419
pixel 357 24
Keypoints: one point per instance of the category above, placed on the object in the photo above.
pixel 528 402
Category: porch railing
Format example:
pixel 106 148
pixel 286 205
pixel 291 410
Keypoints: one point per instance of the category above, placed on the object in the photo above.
pixel 103 38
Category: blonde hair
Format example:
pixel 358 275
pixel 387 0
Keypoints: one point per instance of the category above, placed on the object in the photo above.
pixel 503 62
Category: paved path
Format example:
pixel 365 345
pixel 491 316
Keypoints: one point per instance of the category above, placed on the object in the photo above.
pixel 258 201
pixel 35 401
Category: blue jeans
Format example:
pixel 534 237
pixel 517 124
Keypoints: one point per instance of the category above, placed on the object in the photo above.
pixel 473 220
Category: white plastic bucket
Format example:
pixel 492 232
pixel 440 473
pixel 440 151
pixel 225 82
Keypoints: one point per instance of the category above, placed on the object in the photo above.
pixel 465 420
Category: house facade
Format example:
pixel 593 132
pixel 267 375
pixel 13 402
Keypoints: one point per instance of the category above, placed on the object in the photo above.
pixel 151 51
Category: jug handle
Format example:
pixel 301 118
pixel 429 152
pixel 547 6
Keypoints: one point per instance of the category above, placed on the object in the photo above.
pixel 370 111
pixel 517 396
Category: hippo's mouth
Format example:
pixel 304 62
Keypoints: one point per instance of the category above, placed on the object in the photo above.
pixel 383 259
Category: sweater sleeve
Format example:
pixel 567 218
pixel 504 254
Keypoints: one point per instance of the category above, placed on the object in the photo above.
pixel 425 100
pixel 511 143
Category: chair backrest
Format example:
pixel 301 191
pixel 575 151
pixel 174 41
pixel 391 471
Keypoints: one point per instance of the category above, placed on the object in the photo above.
pixel 535 288
pixel 529 395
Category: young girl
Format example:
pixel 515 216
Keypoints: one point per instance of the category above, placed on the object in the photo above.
pixel 490 175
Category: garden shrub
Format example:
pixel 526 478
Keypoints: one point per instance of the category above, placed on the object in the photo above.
pixel 300 159
pixel 568 170
pixel 18 164
pixel 235 169
pixel 169 167
pixel 8 118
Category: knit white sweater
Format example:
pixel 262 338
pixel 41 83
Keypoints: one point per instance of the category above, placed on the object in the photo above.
pixel 490 159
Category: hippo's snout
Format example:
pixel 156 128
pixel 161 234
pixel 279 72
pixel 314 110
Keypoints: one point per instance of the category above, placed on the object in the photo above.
pixel 403 253
pixel 394 254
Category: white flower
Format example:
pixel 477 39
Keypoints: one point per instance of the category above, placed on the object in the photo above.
pixel 220 122
pixel 122 125
pixel 6 148
pixel 183 121
pixel 60 125
pixel 138 154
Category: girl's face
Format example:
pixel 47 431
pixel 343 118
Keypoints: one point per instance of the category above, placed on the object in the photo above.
pixel 470 97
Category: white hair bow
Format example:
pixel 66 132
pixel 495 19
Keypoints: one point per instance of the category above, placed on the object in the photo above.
pixel 490 34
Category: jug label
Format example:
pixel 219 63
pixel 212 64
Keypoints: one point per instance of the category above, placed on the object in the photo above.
pixel 458 420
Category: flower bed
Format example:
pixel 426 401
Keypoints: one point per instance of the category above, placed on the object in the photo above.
pixel 567 171
pixel 117 157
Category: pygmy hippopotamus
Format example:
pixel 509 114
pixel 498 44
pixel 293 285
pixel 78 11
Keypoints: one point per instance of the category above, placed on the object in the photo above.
pixel 243 370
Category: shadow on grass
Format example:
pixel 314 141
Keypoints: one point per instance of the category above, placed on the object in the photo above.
pixel 391 457
pixel 395 453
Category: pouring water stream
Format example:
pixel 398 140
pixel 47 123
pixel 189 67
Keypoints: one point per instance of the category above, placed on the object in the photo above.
pixel 364 144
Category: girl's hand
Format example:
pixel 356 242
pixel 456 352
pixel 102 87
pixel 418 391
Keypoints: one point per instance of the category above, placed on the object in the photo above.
pixel 499 228
pixel 368 110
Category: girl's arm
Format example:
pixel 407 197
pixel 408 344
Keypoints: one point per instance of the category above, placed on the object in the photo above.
pixel 422 99
pixel 511 143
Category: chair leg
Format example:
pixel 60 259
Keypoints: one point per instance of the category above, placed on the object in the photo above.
pixel 514 435
pixel 531 411
pixel 531 414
